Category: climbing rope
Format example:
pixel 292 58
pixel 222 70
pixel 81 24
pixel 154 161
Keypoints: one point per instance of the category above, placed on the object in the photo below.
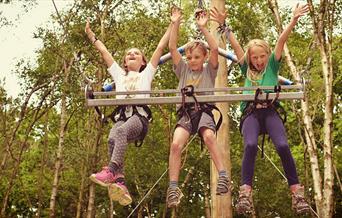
pixel 268 158
pixel 158 180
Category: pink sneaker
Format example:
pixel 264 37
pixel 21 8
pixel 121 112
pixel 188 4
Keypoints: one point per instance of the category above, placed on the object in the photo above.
pixel 119 192
pixel 103 178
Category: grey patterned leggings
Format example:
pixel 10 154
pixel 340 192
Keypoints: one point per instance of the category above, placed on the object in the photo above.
pixel 120 135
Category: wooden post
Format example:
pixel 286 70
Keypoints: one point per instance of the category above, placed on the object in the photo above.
pixel 221 206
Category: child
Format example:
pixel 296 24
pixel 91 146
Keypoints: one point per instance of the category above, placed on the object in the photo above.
pixel 136 73
pixel 199 75
pixel 260 67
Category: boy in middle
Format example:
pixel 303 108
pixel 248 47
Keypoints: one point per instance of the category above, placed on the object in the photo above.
pixel 197 73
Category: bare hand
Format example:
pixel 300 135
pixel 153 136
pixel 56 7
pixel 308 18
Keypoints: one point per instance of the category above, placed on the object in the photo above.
pixel 217 16
pixel 87 29
pixel 176 14
pixel 201 18
pixel 300 10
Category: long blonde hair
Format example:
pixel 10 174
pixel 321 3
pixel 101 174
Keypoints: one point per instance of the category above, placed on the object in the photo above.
pixel 252 73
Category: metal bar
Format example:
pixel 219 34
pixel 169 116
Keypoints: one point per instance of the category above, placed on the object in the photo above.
pixel 178 99
pixel 177 91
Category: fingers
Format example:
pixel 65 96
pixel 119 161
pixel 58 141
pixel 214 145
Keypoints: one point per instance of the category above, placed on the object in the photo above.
pixel 175 9
pixel 300 10
pixel 200 13
pixel 87 27
pixel 176 14
pixel 305 8
pixel 214 11
pixel 217 16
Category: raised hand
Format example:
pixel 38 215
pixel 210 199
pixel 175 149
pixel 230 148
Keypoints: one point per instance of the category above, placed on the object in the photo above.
pixel 87 27
pixel 217 16
pixel 201 18
pixel 88 31
pixel 176 14
pixel 300 10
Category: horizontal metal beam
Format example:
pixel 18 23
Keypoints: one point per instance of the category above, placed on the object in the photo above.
pixel 202 98
pixel 177 91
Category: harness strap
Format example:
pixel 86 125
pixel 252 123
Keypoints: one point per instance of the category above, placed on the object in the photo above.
pixel 120 110
pixel 199 108
pixel 188 91
pixel 208 108
pixel 266 104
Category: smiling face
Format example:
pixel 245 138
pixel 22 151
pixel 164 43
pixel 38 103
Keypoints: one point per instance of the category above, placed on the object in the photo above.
pixel 196 54
pixel 134 60
pixel 258 52
pixel 258 57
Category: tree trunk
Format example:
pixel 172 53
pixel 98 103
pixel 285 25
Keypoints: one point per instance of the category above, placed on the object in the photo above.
pixel 323 28
pixel 207 211
pixel 23 145
pixel 62 130
pixel 42 166
pixel 221 205
pixel 94 159
pixel 323 197
pixel 80 193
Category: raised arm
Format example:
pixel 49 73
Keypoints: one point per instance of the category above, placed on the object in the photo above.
pixel 176 18
pixel 161 45
pixel 201 20
pixel 298 11
pixel 220 17
pixel 107 57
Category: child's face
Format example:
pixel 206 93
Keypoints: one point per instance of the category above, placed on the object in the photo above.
pixel 195 59
pixel 134 59
pixel 258 57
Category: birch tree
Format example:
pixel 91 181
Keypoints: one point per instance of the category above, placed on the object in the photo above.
pixel 323 23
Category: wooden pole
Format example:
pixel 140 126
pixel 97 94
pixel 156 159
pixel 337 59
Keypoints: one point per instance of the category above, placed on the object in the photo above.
pixel 221 206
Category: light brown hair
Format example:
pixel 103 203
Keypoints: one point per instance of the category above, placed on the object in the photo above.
pixel 123 62
pixel 196 44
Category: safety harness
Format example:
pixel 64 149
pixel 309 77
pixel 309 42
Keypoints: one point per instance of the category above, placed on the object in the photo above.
pixel 193 111
pixel 119 115
pixel 252 106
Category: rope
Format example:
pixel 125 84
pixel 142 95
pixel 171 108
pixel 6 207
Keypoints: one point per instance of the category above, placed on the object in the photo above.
pixel 268 158
pixel 158 180
pixel 312 210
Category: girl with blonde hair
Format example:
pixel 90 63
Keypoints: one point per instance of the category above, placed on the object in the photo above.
pixel 260 66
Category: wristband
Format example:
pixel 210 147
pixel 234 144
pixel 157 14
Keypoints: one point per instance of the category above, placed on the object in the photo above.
pixel 95 39
pixel 223 28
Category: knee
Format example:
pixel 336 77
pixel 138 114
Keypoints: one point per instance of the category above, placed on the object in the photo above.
pixel 119 132
pixel 283 148
pixel 251 147
pixel 209 137
pixel 176 148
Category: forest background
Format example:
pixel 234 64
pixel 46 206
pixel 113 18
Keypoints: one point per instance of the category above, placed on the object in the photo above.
pixel 50 142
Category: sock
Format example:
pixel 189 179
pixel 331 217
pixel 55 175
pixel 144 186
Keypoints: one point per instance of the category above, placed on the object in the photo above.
pixel 120 180
pixel 173 184
pixel 223 173
pixel 113 167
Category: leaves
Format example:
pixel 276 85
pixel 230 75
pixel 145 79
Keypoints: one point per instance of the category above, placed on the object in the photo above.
pixel 133 24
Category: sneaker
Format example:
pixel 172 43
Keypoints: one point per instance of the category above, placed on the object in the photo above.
pixel 245 201
pixel 174 196
pixel 299 204
pixel 223 185
pixel 103 178
pixel 119 192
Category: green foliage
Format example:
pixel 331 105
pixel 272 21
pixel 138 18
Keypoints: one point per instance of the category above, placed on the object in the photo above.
pixel 132 24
